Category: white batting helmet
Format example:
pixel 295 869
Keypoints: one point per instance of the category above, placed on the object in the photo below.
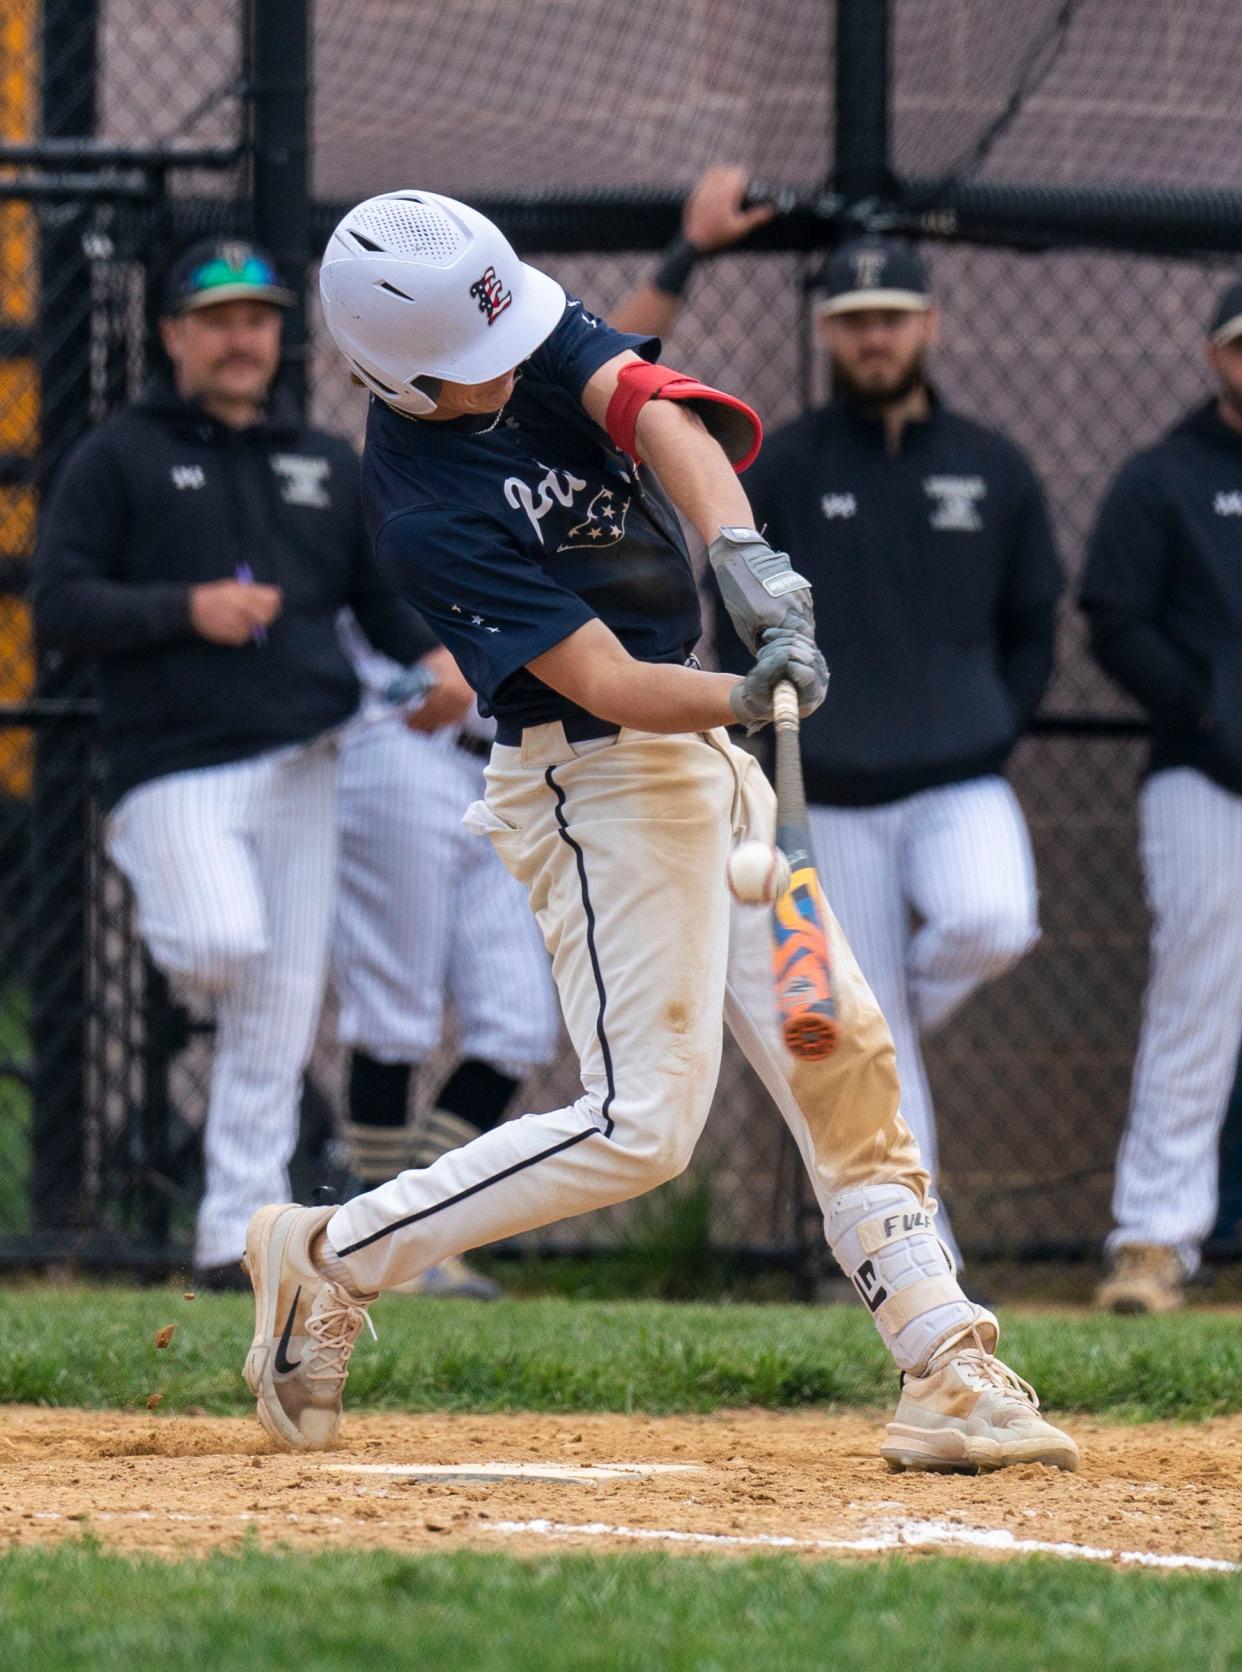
pixel 417 286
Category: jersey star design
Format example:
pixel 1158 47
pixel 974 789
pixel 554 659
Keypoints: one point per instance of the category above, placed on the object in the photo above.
pixel 603 526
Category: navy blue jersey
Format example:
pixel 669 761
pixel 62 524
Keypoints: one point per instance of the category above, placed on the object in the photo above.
pixel 510 533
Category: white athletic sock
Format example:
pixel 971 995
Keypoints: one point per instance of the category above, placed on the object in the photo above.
pixel 330 1265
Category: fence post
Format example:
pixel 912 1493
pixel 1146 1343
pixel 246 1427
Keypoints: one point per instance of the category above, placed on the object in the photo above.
pixel 279 48
pixel 60 811
pixel 862 99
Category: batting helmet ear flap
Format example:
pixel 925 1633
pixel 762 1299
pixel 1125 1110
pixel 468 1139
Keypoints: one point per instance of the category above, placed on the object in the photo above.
pixel 734 425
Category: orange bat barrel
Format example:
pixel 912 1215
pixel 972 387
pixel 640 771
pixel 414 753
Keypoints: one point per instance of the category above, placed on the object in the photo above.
pixel 802 968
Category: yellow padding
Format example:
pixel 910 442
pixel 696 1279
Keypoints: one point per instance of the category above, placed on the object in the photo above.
pixel 916 1300
pixel 888 1228
pixel 19 406
pixel 16 685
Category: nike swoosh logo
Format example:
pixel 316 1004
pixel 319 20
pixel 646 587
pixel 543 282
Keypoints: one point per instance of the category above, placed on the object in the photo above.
pixel 283 1363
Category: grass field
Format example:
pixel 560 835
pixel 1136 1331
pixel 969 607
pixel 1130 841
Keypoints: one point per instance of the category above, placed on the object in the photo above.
pixel 637 1613
pixel 95 1347
pixel 272 1607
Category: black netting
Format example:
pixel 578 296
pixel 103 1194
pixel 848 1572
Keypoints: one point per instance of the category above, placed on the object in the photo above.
pixel 1053 92
pixel 567 94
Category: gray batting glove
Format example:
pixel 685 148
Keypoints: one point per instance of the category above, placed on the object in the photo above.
pixel 759 586
pixel 787 653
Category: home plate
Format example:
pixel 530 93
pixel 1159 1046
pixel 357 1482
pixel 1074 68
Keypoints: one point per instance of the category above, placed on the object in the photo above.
pixel 514 1471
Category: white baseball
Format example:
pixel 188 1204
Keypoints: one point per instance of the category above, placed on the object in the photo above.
pixel 757 875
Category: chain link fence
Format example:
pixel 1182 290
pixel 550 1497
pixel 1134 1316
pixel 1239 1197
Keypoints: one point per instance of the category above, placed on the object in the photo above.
pixel 1080 354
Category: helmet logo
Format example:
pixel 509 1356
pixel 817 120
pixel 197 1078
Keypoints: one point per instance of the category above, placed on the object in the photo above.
pixel 491 296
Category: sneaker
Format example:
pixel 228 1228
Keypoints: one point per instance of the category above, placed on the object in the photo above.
pixel 971 1412
pixel 1143 1277
pixel 451 1279
pixel 305 1329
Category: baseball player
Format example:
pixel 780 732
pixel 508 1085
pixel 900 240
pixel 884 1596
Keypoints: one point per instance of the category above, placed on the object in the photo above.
pixel 427 913
pixel 514 445
pixel 1162 590
pixel 199 546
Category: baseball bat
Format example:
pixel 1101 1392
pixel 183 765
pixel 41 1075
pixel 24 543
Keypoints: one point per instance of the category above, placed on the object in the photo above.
pixel 801 965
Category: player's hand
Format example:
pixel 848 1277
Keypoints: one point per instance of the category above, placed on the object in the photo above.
pixel 713 217
pixel 232 612
pixel 450 697
pixel 759 587
pixel 786 653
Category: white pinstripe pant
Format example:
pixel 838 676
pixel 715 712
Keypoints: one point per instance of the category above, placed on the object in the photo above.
pixel 957 857
pixel 1167 1170
pixel 426 911
pixel 233 870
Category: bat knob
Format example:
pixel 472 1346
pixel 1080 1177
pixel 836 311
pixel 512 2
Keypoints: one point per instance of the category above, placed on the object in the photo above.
pixel 810 1038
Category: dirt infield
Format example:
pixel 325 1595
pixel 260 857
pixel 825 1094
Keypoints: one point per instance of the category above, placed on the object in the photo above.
pixel 180 1485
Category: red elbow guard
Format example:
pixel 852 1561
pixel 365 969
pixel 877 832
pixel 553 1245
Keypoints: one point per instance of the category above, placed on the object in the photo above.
pixel 734 425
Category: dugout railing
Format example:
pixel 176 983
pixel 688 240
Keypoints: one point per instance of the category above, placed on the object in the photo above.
pixel 1074 306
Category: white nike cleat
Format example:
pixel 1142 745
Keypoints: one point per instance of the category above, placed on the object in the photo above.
pixel 971 1412
pixel 305 1329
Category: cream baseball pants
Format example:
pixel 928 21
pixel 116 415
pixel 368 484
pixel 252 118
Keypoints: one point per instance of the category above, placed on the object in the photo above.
pixel 621 845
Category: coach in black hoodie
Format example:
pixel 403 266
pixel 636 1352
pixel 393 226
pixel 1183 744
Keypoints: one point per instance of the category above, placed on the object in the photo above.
pixel 199 546
pixel 1163 593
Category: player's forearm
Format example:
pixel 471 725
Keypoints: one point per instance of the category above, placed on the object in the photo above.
pixel 693 469
pixel 658 697
pixel 594 670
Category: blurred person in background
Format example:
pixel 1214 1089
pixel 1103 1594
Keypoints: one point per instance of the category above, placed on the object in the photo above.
pixel 199 546
pixel 927 538
pixel 1162 591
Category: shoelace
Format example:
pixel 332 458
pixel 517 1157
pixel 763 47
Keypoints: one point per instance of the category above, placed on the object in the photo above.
pixel 335 1331
pixel 984 1371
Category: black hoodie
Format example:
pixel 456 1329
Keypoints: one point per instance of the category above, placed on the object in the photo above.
pixel 1162 589
pixel 935 581
pixel 160 498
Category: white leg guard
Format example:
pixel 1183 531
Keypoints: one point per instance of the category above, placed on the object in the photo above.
pixel 886 1245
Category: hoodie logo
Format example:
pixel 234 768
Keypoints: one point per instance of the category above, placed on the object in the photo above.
pixel 838 505
pixel 954 501
pixel 302 480
pixel 188 476
pixel 1228 504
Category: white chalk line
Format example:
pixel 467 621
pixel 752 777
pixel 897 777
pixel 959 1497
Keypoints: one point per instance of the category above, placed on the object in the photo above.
pixel 893 1535
pixel 514 1471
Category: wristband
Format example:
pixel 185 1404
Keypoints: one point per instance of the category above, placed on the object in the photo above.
pixel 676 265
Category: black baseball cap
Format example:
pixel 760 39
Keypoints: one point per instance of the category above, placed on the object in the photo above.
pixel 873 272
pixel 1227 320
pixel 223 270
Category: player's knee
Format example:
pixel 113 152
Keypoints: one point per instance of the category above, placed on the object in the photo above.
pixel 988 942
pixel 213 957
pixel 656 1130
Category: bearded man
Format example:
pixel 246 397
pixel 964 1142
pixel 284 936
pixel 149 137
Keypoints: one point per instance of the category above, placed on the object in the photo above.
pixel 926 539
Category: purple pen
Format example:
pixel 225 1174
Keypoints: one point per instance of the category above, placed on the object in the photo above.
pixel 245 574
